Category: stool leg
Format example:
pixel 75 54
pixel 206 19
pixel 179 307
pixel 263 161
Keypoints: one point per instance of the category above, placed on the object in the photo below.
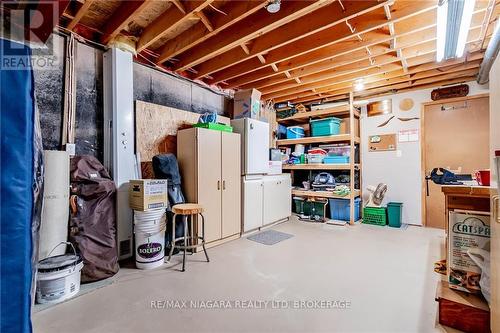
pixel 191 233
pixel 203 235
pixel 172 241
pixel 184 219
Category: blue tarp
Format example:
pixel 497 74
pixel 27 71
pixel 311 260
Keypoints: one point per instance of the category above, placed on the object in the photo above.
pixel 17 154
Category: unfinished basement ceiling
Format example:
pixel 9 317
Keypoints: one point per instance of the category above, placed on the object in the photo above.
pixel 309 50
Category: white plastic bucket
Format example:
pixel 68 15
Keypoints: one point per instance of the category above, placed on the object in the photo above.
pixel 149 230
pixel 58 277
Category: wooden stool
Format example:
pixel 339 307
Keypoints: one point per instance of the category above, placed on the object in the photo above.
pixel 186 210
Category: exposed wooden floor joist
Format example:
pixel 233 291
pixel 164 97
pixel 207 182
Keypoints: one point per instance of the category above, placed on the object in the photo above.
pixel 307 50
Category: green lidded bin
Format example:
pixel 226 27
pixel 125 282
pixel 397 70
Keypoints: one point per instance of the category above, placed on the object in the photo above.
pixel 214 126
pixel 375 215
pixel 394 213
pixel 299 205
pixel 325 127
pixel 306 207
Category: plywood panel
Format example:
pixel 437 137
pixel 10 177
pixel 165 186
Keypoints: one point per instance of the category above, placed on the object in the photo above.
pixel 156 128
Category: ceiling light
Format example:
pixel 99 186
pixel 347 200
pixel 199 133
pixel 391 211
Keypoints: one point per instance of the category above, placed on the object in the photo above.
pixel 442 13
pixel 453 24
pixel 274 6
pixel 464 27
pixel 360 102
pixel 359 85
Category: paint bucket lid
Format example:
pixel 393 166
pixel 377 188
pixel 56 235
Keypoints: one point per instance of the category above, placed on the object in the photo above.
pixel 58 263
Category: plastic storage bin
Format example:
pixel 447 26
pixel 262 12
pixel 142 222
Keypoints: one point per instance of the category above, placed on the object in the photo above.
pixel 299 205
pixel 375 215
pixel 324 127
pixel 344 150
pixel 295 132
pixel 306 207
pixel 336 160
pixel 340 209
pixel 315 158
pixel 394 213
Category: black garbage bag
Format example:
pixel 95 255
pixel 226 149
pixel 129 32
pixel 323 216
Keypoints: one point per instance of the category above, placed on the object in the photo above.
pixel 165 166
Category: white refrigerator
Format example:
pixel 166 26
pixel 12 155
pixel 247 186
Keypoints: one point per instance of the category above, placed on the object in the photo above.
pixel 265 198
pixel 254 145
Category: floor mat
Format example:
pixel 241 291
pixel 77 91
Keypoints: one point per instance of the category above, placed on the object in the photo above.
pixel 269 237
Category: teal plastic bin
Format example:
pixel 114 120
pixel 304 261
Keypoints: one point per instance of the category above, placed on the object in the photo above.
pixel 394 213
pixel 326 126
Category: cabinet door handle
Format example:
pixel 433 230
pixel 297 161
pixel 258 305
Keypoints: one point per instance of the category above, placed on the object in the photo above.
pixel 223 184
pixel 495 209
pixel 218 185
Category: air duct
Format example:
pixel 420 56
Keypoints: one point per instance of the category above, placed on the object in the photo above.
pixel 489 57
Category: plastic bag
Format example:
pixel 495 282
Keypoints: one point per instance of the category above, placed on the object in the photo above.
pixel 482 259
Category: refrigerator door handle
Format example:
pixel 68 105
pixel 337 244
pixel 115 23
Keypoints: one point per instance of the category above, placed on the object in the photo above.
pixel 218 185
pixel 223 184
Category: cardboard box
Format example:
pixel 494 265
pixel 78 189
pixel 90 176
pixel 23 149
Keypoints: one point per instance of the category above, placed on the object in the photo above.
pixel 246 104
pixel 145 194
pixel 275 168
pixel 466 230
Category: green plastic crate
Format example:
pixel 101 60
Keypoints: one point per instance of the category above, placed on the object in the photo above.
pixel 214 126
pixel 375 215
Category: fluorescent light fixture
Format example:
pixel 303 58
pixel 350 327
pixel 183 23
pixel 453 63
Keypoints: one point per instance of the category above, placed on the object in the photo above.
pixel 442 13
pixel 453 24
pixel 464 27
pixel 359 85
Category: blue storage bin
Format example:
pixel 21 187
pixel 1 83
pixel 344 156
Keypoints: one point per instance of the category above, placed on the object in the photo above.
pixel 295 132
pixel 336 159
pixel 340 209
pixel 325 127
pixel 281 132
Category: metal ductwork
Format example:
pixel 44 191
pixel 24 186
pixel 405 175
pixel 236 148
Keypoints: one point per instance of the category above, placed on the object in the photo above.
pixel 489 57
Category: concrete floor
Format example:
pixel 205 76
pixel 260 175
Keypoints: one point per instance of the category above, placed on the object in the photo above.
pixel 386 274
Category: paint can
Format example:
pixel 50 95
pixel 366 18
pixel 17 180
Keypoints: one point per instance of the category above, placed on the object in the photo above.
pixel 58 277
pixel 149 230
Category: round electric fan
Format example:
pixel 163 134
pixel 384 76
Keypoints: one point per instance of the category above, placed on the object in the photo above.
pixel 376 195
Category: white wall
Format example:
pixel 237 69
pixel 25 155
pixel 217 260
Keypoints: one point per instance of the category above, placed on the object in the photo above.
pixel 401 169
pixel 494 117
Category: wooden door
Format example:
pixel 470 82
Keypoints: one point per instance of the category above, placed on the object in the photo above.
pixel 209 180
pixel 231 184
pixel 456 137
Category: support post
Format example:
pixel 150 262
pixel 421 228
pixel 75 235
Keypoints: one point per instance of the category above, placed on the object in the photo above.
pixel 119 156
